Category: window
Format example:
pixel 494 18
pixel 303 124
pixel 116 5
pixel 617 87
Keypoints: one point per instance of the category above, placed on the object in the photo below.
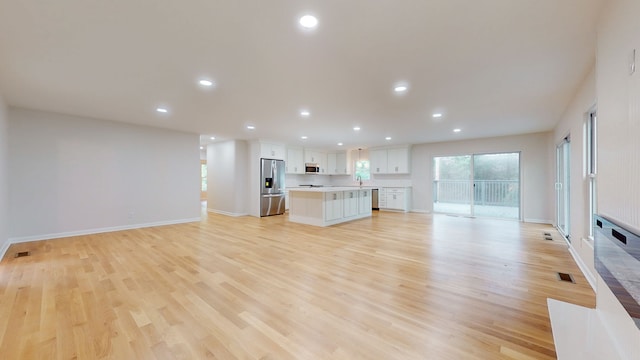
pixel 203 177
pixel 362 170
pixel 203 180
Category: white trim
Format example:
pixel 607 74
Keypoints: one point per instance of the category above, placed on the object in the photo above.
pixel 583 267
pixel 227 213
pixel 4 249
pixel 420 211
pixel 538 221
pixel 24 239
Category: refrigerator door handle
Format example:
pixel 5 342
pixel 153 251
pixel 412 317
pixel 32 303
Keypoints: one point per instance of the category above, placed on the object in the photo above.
pixel 272 195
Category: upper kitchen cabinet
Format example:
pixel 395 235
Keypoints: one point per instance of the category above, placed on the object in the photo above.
pixel 378 161
pixel 337 163
pixel 395 160
pixel 270 150
pixel 398 161
pixel 295 161
pixel 316 157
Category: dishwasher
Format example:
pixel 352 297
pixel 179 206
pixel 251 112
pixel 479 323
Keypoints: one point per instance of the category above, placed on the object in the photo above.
pixel 374 199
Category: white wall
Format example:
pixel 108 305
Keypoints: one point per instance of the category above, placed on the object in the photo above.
pixel 536 186
pixel 71 175
pixel 618 179
pixel 573 123
pixel 227 177
pixel 4 180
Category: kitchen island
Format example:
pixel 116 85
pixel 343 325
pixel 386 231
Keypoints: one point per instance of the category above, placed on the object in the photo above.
pixel 325 206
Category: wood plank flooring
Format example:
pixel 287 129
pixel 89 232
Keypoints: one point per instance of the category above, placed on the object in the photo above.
pixel 396 286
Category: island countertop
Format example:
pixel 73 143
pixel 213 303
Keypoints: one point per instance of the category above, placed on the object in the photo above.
pixel 325 189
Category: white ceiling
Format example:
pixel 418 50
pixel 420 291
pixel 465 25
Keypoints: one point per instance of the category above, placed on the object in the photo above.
pixel 492 67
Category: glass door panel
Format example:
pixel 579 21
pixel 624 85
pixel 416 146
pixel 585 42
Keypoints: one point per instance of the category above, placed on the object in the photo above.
pixel 452 184
pixel 496 185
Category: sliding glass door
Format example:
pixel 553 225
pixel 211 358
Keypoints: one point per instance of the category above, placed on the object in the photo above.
pixel 563 155
pixel 485 185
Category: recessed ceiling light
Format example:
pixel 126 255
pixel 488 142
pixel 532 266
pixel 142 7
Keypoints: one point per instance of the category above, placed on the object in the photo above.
pixel 305 113
pixel 400 88
pixel 201 147
pixel 250 127
pixel 162 110
pixel 308 21
pixel 303 137
pixel 457 130
pixel 388 138
pixel 437 115
pixel 205 82
pixel 212 138
pixel 356 128
pixel 340 144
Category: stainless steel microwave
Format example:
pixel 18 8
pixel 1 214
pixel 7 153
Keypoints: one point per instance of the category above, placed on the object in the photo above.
pixel 310 168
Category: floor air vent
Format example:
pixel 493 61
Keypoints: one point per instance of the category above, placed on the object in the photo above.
pixel 566 277
pixel 547 236
pixel 22 254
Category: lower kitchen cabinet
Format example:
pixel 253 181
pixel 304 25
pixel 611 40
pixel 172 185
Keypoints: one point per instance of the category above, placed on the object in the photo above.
pixel 328 206
pixel 364 202
pixel 394 198
pixel 333 205
pixel 351 203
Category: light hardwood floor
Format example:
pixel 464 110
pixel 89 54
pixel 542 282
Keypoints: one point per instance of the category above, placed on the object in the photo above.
pixel 396 286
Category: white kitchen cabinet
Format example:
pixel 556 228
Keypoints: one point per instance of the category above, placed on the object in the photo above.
pixel 272 151
pixel 351 203
pixel 331 164
pixel 337 163
pixel 390 160
pixel 364 201
pixel 394 198
pixel 295 161
pixel 398 161
pixel 333 205
pixel 378 161
pixel 382 198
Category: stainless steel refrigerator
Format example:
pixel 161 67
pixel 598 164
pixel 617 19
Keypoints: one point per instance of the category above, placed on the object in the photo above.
pixel 272 187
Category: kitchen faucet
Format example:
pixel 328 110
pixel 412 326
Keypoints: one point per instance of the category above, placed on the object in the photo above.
pixel 359 178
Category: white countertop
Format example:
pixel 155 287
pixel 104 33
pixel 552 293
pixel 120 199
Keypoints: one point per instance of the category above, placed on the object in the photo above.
pixel 324 189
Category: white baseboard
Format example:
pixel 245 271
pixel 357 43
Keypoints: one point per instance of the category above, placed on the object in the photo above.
pixel 226 213
pixel 538 221
pixel 24 239
pixel 420 211
pixel 4 248
pixel 583 267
